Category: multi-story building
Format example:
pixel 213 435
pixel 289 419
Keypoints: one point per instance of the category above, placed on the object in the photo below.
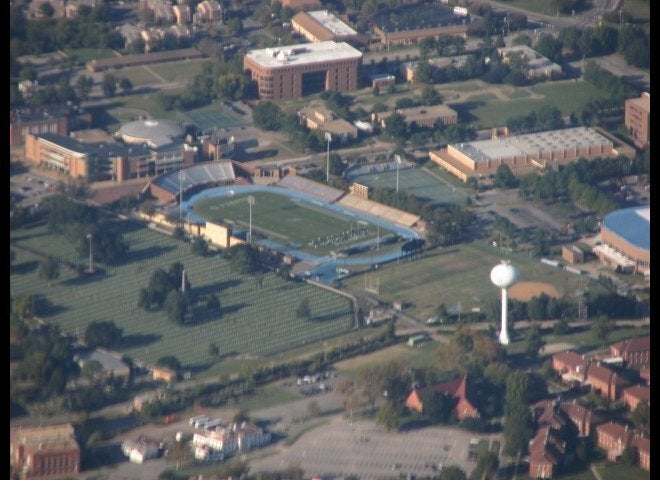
pixel 536 65
pixel 297 5
pixel 571 366
pixel 48 452
pixel 634 351
pixel 182 13
pixel 583 418
pixel 633 395
pixel 458 388
pixel 161 11
pixel 614 438
pixel 605 381
pixel 230 439
pixel 637 119
pixel 209 11
pixel 298 70
pixel 643 446
pixel 321 26
pixel 58 119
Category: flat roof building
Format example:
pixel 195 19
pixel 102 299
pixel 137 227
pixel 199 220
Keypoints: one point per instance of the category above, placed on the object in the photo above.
pixel 298 70
pixel 626 240
pixel 637 119
pixel 526 153
pixel 424 116
pixel 321 26
pixel 538 66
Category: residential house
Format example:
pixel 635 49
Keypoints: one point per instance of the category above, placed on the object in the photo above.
pixel 44 452
pixel 209 11
pixel 633 395
pixel 614 438
pixel 571 366
pixel 182 13
pixel 605 381
pixel 458 388
pixel 643 446
pixel 162 12
pixel 634 351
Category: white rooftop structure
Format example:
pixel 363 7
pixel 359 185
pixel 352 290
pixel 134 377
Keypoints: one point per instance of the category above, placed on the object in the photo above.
pixel 532 143
pixel 308 53
pixel 332 23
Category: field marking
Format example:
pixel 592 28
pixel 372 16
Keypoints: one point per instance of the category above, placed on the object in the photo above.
pixel 154 74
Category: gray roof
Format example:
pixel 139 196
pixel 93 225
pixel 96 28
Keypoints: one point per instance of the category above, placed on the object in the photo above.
pixel 156 133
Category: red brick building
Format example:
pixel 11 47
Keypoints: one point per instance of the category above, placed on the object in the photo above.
pixel 546 452
pixel 614 438
pixel 298 70
pixel 637 119
pixel 643 446
pixel 458 388
pixel 583 418
pixel 633 395
pixel 571 366
pixel 44 452
pixel 605 381
pixel 58 119
pixel 634 351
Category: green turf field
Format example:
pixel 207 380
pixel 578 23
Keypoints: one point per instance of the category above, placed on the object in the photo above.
pixel 85 55
pixel 257 320
pixel 415 182
pixel 205 119
pixel 179 71
pixel 311 227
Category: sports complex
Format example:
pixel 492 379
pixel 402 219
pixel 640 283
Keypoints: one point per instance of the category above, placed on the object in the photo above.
pixel 326 229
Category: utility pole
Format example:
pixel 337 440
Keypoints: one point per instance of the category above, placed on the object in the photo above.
pixel 91 268
pixel 180 195
pixel 250 200
pixel 328 138
pixel 397 158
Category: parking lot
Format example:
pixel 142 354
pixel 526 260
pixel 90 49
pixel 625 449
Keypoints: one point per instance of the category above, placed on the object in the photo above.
pixel 362 448
pixel 28 189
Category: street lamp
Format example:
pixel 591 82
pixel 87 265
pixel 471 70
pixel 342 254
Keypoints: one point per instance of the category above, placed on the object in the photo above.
pixel 250 200
pixel 328 138
pixel 180 195
pixel 91 268
pixel 397 158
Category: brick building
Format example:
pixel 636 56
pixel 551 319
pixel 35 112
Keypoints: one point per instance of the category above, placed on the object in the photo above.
pixel 44 452
pixel 571 366
pixel 425 116
pixel 643 446
pixel 298 70
pixel 209 11
pixel 637 119
pixel 605 381
pixel 297 5
pixel 58 119
pixel 634 351
pixel 322 26
pixel 458 388
pixel 613 438
pixel 633 395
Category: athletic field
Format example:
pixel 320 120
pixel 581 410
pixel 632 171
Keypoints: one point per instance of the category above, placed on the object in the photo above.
pixel 211 118
pixel 258 316
pixel 416 182
pixel 288 221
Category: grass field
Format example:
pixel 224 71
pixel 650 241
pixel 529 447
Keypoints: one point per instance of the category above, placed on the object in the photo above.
pixel 415 182
pixel 85 55
pixel 256 321
pixel 179 71
pixel 287 222
pixel 205 118
pixel 454 275
pixel 622 472
pixel 139 76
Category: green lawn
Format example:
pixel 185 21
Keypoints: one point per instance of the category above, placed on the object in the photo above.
pixel 180 71
pixel 85 55
pixel 287 221
pixel 455 274
pixel 532 6
pixel 139 76
pixel 622 472
pixel 256 321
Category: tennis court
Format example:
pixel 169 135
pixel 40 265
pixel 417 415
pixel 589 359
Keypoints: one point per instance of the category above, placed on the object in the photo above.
pixel 212 118
pixel 414 181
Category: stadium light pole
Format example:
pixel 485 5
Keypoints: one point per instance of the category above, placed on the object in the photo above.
pixel 89 237
pixel 328 138
pixel 180 195
pixel 397 158
pixel 250 200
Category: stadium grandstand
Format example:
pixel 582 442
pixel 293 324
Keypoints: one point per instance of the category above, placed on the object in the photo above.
pixel 310 187
pixel 393 215
pixel 166 187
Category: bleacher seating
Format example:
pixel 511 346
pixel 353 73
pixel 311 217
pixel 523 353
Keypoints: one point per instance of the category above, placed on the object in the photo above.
pixel 195 176
pixel 310 187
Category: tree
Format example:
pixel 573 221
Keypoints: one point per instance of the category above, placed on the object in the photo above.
pixel 430 96
pixel 109 85
pixel 84 86
pixel 126 85
pixel 388 416
pixel 213 304
pixel 176 307
pixel 561 327
pixel 533 341
pixel 170 362
pixel 487 463
pixel 518 430
pixel 49 269
pixel 214 351
pixel 629 455
pixel 91 370
pixel 396 128
pixel 199 246
pixel 47 10
pixel 602 327
pixel 267 116
pixel 549 47
pixel 438 406
pixel 641 417
pixel 451 472
pixel 504 178
pixel 303 311
pixel 103 334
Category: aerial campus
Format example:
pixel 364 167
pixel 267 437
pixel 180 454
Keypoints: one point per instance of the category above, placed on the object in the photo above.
pixel 315 239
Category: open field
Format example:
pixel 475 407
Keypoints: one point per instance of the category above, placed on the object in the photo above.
pixel 288 222
pixel 205 118
pixel 621 472
pixel 415 182
pixel 256 321
pixel 525 291
pixel 85 55
pixel 179 71
pixel 454 275
pixel 139 76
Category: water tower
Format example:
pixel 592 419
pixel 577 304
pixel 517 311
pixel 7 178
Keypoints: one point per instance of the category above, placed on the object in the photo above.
pixel 504 276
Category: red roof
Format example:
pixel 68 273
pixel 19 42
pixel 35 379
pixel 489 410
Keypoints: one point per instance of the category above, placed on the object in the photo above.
pixel 637 344
pixel 616 431
pixel 570 359
pixel 642 444
pixel 604 374
pixel 456 387
pixel 639 392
